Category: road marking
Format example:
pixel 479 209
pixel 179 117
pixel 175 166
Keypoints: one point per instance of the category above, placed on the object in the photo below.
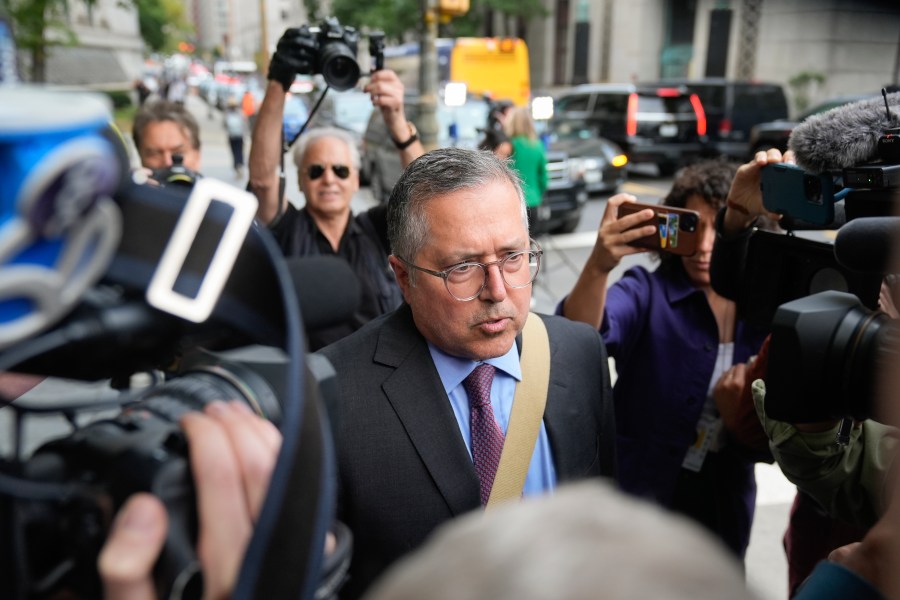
pixel 568 241
pixel 631 187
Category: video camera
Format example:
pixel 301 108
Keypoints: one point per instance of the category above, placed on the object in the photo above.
pixel 828 338
pixel 100 279
pixel 335 53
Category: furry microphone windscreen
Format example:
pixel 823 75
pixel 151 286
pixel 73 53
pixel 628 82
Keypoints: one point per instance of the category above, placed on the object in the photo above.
pixel 844 136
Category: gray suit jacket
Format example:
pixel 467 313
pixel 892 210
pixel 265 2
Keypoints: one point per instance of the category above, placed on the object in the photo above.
pixel 403 465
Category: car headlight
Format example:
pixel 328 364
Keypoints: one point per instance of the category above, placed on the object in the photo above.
pixel 593 169
pixel 576 168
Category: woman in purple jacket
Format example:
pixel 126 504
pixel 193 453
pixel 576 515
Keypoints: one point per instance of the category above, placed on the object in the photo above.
pixel 672 337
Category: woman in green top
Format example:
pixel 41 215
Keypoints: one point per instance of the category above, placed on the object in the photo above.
pixel 528 159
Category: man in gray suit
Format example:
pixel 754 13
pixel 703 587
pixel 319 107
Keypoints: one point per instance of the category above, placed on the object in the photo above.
pixel 401 417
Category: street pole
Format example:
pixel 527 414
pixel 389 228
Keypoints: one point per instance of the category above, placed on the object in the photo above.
pixel 263 61
pixel 428 77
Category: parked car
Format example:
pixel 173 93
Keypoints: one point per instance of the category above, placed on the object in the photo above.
pixel 601 162
pixel 460 126
pixel 652 124
pixel 381 159
pixel 776 133
pixel 732 108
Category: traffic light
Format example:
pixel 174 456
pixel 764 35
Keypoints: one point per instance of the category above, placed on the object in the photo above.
pixel 453 8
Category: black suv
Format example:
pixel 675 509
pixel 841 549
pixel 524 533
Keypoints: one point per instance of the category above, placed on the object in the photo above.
pixel 651 123
pixel 732 108
pixel 775 134
pixel 565 196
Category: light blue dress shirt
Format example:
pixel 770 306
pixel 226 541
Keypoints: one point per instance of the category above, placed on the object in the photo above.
pixel 453 371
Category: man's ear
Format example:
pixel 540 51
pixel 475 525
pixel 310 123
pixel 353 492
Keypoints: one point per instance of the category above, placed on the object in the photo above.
pixel 401 272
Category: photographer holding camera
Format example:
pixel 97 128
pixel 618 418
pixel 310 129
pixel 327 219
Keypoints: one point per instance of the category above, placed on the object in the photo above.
pixel 328 170
pixel 167 139
pixel 843 488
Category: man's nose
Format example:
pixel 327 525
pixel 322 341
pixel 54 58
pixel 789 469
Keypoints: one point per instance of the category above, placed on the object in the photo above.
pixel 494 286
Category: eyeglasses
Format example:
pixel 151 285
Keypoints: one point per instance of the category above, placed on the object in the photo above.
pixel 316 171
pixel 466 281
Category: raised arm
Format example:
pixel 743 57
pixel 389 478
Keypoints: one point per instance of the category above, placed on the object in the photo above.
pixel 265 154
pixel 587 300
pixel 745 203
pixel 386 91
pixel 294 54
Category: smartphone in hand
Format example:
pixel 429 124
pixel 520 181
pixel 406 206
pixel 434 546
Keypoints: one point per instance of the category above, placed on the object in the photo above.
pixel 676 228
pixel 787 189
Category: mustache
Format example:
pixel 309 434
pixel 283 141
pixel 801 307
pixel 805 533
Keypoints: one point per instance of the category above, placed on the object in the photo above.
pixel 493 315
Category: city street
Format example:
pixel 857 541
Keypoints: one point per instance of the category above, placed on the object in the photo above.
pixel 564 256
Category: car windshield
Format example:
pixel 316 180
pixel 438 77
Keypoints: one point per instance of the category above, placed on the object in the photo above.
pixel 664 104
pixel 570 129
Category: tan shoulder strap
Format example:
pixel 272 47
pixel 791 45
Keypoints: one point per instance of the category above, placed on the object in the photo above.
pixel 527 413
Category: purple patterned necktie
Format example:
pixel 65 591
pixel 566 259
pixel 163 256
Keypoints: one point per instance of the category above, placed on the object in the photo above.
pixel 487 437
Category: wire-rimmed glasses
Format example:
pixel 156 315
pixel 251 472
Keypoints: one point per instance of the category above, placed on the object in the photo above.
pixel 466 281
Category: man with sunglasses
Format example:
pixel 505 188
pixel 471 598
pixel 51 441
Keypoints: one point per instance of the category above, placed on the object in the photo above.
pixel 328 164
pixel 411 450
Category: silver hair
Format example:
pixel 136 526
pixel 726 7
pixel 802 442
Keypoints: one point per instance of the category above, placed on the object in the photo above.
pixel 438 173
pixel 326 132
pixel 587 540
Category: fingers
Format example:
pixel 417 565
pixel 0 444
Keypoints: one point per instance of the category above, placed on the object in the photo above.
pixel 256 443
pixel 223 512
pixel 134 542
pixel 841 554
pixel 386 90
pixel 233 453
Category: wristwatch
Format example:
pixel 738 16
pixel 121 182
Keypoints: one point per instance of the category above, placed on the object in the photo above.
pixel 413 136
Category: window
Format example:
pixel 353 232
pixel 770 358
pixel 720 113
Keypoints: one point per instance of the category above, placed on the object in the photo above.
pixel 577 102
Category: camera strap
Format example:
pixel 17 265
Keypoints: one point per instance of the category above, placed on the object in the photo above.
pixel 527 413
pixel 285 554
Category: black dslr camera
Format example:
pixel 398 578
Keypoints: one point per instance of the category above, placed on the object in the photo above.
pixel 336 48
pixel 826 354
pixel 176 175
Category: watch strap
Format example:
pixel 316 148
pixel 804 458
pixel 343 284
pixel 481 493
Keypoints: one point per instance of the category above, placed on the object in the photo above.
pixel 413 136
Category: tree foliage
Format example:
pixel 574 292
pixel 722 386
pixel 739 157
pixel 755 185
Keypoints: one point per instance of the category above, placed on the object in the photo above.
pixel 399 18
pixel 37 26
pixel 162 23
pixel 394 17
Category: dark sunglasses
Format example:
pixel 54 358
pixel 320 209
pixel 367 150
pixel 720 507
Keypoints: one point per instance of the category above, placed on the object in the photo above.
pixel 316 171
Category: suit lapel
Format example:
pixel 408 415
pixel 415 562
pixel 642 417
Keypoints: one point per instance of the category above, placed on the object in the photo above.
pixel 415 392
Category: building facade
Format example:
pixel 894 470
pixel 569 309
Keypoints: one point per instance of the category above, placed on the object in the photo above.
pixel 109 52
pixel 836 47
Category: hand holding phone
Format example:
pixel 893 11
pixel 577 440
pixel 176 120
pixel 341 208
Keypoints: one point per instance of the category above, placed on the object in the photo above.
pixel 676 228
pixel 788 189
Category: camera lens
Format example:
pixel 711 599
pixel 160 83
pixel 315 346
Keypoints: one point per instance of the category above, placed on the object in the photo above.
pixel 824 358
pixel 813 189
pixel 339 66
pixel 688 222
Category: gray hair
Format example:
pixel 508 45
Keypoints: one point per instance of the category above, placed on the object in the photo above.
pixel 585 538
pixel 326 132
pixel 438 173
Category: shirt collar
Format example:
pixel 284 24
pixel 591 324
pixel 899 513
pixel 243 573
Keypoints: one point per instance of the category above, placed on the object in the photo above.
pixel 679 285
pixel 453 370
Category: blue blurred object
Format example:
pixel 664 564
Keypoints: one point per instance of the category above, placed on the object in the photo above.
pixel 295 115
pixel 8 72
pixel 58 225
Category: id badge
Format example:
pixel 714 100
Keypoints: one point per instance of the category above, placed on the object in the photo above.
pixel 709 427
